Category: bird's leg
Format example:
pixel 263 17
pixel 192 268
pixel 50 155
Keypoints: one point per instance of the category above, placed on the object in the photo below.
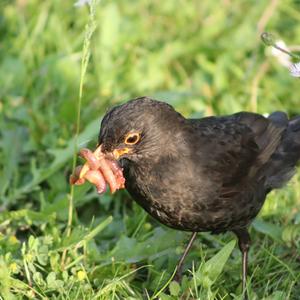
pixel 177 276
pixel 244 244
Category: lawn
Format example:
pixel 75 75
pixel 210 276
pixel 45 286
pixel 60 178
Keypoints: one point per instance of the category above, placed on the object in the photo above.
pixel 203 57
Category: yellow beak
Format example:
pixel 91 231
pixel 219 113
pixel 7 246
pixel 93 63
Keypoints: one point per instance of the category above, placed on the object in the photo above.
pixel 117 153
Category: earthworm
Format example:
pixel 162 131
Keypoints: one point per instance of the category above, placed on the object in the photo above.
pixel 98 169
pixel 74 178
pixel 95 177
pixel 91 158
pixel 117 172
pixel 95 161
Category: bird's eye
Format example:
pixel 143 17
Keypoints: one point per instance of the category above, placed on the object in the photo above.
pixel 132 138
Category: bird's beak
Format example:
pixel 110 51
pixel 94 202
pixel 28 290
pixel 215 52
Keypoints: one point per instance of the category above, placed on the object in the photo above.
pixel 117 153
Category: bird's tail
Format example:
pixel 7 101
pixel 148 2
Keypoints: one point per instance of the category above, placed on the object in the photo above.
pixel 282 163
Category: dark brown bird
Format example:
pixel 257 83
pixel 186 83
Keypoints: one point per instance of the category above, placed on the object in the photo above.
pixel 211 174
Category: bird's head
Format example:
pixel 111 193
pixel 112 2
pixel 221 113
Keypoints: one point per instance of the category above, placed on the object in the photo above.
pixel 138 129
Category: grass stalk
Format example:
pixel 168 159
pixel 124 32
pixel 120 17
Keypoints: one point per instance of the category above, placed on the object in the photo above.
pixel 86 53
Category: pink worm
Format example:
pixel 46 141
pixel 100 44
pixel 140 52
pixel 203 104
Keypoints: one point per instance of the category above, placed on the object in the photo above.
pixel 96 161
pixel 117 172
pixel 95 177
pixel 74 178
pixel 99 169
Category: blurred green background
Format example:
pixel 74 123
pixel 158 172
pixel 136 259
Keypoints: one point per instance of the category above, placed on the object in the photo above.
pixel 203 57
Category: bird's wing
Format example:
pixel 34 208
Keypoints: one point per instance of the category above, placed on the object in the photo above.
pixel 281 166
pixel 235 147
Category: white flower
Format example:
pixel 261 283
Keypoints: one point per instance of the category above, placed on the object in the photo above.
pixel 283 58
pixel 81 3
pixel 295 69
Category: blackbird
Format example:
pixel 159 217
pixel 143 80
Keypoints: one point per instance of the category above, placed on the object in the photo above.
pixel 211 174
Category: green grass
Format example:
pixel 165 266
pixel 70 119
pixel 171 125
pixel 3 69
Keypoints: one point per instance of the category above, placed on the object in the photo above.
pixel 203 57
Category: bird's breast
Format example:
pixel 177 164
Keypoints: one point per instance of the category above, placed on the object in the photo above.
pixel 166 190
pixel 182 198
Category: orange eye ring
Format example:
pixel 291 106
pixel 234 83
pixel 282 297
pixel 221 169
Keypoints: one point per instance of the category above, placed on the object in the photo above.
pixel 132 138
